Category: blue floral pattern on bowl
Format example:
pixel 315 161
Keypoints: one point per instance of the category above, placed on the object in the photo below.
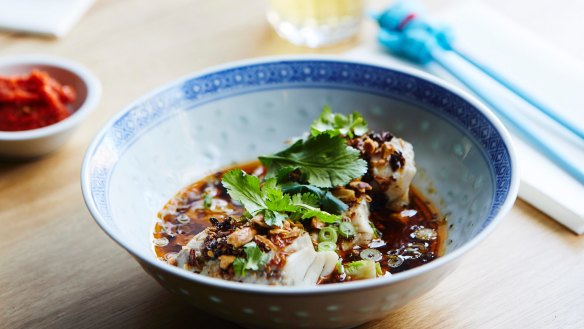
pixel 306 74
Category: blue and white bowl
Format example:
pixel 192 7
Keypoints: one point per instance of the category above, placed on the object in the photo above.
pixel 209 120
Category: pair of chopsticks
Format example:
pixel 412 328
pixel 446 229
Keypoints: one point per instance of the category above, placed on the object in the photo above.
pixel 405 32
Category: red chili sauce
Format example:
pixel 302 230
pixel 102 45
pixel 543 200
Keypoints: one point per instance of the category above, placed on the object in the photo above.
pixel 33 101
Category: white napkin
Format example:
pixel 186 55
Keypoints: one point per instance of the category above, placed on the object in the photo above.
pixel 46 17
pixel 554 77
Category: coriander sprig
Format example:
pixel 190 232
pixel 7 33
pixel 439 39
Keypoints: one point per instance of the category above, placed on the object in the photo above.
pixel 255 259
pixel 270 201
pixel 325 160
pixel 339 124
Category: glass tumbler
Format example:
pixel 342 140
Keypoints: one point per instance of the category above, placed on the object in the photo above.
pixel 315 23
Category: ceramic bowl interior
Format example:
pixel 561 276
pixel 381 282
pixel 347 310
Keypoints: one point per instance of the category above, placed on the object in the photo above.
pixel 43 140
pixel 194 127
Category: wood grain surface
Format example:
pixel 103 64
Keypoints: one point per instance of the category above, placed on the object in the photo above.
pixel 59 270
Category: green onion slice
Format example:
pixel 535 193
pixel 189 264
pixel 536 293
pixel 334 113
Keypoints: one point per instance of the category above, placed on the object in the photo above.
pixel 361 269
pixel 395 261
pixel 327 246
pixel 327 234
pixel 347 230
pixel 371 254
pixel 208 201
pixel 378 269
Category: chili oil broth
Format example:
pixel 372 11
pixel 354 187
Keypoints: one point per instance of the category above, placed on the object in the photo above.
pixel 400 248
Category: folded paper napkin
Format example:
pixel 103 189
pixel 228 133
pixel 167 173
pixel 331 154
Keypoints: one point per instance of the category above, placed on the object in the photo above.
pixel 46 17
pixel 554 77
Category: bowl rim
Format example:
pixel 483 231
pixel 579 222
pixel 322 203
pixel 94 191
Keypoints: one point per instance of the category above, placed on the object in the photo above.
pixel 91 82
pixel 319 289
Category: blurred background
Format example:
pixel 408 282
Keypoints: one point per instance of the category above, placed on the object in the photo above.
pixel 170 38
pixel 119 39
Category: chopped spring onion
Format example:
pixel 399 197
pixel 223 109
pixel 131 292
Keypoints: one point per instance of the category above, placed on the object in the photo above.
pixel 395 261
pixel 376 233
pixel 378 269
pixel 208 201
pixel 347 230
pixel 327 234
pixel 340 267
pixel 327 246
pixel 361 269
pixel 371 254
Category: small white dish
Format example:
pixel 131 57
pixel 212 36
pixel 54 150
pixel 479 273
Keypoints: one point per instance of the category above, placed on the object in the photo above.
pixel 37 142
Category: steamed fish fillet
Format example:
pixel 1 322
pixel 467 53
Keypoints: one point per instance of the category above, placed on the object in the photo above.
pixel 393 169
pixel 359 215
pixel 212 268
pixel 303 266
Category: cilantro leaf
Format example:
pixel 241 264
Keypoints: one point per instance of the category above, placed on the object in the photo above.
pixel 239 266
pixel 244 189
pixel 328 202
pixel 276 200
pixel 339 124
pixel 308 200
pixel 255 260
pixel 274 218
pixel 308 203
pixel 326 160
pixel 271 201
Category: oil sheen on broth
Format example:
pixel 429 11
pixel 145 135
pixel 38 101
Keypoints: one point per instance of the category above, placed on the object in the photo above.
pixel 404 239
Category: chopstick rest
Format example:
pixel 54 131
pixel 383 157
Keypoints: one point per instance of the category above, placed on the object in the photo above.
pixel 405 32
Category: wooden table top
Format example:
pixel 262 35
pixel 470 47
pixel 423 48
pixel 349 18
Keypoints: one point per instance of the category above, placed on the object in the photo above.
pixel 59 270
